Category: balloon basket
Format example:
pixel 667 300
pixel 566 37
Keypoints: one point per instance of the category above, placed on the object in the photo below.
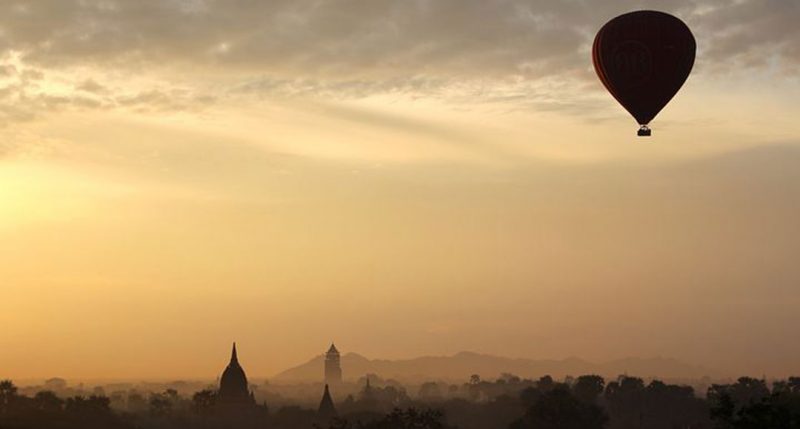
pixel 644 131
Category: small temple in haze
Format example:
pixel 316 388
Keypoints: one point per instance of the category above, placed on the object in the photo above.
pixel 326 408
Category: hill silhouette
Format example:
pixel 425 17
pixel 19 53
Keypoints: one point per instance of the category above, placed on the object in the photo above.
pixel 460 366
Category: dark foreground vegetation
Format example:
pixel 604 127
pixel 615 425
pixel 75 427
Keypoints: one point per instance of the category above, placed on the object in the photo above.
pixel 587 402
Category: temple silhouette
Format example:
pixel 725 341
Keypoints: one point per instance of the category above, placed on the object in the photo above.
pixel 326 407
pixel 234 391
pixel 236 404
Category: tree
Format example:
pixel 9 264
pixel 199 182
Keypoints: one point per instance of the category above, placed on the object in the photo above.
pixel 624 400
pixel 93 405
pixel 723 411
pixel 47 401
pixel 8 394
pixel 430 391
pixel 794 384
pixel 203 401
pixel 745 391
pixel 545 384
pixel 409 419
pixel 136 402
pixel 172 395
pixel 588 387
pixel 509 378
pixel 559 409
pixel 779 410
pixel 667 406
pixel 160 404
pixel 530 395
pixel 727 402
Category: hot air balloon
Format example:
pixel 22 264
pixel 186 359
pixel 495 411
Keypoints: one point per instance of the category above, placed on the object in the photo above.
pixel 643 58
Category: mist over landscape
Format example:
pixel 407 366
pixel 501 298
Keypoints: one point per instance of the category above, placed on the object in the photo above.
pixel 397 214
pixel 462 365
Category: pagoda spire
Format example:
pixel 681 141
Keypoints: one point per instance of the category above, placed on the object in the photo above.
pixel 234 358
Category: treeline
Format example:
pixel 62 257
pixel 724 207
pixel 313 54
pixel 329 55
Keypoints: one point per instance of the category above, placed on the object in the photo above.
pixel 586 402
pixel 46 410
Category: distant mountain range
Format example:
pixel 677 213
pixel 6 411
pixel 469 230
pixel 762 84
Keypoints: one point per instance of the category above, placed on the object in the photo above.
pixel 459 367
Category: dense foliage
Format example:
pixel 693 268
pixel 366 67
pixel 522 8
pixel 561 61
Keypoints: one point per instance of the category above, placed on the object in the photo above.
pixel 587 402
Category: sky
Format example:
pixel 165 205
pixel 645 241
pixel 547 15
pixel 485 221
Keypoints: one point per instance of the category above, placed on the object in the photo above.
pixel 405 177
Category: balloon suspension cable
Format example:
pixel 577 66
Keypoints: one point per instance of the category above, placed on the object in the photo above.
pixel 644 131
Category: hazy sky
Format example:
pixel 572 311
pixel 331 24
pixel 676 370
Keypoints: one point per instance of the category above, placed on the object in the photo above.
pixel 405 177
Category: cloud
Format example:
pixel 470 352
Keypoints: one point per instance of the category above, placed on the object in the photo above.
pixel 754 33
pixel 380 37
pixel 312 37
pixel 507 51
pixel 165 100
pixel 91 86
pixel 7 70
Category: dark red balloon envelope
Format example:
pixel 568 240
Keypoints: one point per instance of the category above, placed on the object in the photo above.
pixel 643 58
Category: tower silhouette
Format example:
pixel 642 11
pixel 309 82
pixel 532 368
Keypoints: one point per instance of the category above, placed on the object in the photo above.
pixel 333 369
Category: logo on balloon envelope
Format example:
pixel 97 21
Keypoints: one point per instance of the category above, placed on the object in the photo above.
pixel 632 63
